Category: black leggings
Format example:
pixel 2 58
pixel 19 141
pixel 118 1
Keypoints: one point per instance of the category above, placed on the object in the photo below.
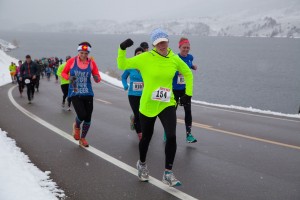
pixel 134 102
pixel 187 110
pixel 83 106
pixel 20 84
pixel 37 82
pixel 30 88
pixel 65 89
pixel 168 120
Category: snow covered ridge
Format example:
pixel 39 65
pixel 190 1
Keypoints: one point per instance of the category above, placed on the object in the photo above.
pixel 21 179
pixel 274 23
pixel 6 46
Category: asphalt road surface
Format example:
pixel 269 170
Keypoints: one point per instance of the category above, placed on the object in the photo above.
pixel 239 155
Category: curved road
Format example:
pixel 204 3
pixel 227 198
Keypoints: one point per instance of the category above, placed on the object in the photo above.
pixel 238 155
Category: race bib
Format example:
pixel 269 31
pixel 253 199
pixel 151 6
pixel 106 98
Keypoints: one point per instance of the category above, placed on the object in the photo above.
pixel 180 79
pixel 27 81
pixel 161 94
pixel 137 86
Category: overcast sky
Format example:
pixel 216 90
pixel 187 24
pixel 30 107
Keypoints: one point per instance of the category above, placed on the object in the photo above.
pixel 17 12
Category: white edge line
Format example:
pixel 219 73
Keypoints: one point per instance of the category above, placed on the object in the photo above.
pixel 244 113
pixel 173 191
pixel 106 102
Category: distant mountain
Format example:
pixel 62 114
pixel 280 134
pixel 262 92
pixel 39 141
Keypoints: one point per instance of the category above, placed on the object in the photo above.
pixel 275 23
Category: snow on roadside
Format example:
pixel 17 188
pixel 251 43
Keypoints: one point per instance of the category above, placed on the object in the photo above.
pixel 21 180
pixel 5 61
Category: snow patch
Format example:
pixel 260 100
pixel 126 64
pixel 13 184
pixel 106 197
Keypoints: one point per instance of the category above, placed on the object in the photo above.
pixel 21 179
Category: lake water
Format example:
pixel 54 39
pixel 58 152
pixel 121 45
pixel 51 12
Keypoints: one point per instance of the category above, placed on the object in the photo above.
pixel 262 73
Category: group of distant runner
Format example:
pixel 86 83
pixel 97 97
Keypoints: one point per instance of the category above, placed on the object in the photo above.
pixel 29 72
pixel 160 80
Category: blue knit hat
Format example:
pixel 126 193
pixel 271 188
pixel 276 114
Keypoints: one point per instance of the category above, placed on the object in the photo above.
pixel 158 35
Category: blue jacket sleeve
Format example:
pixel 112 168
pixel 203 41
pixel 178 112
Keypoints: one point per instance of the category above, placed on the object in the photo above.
pixel 124 79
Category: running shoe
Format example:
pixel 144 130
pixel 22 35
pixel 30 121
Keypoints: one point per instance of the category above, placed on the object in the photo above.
pixel 83 142
pixel 69 108
pixel 143 172
pixel 190 138
pixel 76 132
pixel 132 122
pixel 170 180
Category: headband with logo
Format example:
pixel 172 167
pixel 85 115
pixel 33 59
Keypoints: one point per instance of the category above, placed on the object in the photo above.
pixel 84 48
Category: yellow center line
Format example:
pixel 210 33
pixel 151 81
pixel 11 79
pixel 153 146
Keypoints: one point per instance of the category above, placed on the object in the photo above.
pixel 241 135
pixel 106 102
pixel 194 124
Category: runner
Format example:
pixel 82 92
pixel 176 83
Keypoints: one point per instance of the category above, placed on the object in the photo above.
pixel 78 71
pixel 64 85
pixel 28 75
pixel 20 83
pixel 55 67
pixel 42 68
pixel 179 87
pixel 12 69
pixel 145 46
pixel 38 75
pixel 134 93
pixel 48 71
pixel 157 68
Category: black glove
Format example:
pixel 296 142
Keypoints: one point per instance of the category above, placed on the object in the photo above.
pixel 185 100
pixel 96 78
pixel 127 43
pixel 72 78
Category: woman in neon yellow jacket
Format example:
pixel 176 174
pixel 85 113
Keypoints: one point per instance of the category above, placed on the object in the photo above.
pixel 12 70
pixel 158 68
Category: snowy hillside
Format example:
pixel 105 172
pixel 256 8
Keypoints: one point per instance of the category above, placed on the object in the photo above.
pixel 6 46
pixel 273 23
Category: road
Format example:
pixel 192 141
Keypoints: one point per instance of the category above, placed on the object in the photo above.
pixel 239 155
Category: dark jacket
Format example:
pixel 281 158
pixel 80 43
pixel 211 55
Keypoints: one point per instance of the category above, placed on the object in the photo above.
pixel 28 69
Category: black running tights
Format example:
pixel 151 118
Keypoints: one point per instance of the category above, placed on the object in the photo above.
pixel 65 89
pixel 168 120
pixel 134 102
pixel 30 89
pixel 83 106
pixel 187 109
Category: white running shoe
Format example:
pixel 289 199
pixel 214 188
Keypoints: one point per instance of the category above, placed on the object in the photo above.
pixel 169 179
pixel 143 172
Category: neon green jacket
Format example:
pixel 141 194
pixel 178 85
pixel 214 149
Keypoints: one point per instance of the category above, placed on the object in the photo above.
pixel 12 68
pixel 59 71
pixel 157 72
